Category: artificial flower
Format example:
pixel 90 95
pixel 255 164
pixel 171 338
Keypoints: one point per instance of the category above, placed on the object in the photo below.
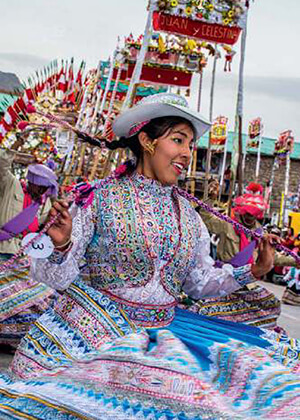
pixel 230 13
pixel 188 10
pixel 174 3
pixel 226 21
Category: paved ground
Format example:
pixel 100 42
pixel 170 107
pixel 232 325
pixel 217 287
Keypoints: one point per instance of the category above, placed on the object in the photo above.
pixel 289 319
pixel 290 315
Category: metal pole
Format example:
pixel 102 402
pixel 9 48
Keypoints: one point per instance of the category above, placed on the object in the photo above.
pixel 141 58
pixel 208 155
pixel 237 141
pixel 240 164
pixel 223 168
pixel 258 158
pixel 274 167
pixel 193 165
pixel 286 186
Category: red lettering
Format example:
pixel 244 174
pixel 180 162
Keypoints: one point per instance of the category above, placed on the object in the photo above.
pixel 204 30
pixel 194 28
pixel 176 23
pixel 221 30
pixel 184 24
pixel 169 22
pixel 216 32
pixel 230 34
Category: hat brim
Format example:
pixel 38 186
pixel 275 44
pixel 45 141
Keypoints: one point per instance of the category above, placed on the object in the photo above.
pixel 140 113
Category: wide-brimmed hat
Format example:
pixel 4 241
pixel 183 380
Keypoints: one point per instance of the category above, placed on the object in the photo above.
pixel 132 120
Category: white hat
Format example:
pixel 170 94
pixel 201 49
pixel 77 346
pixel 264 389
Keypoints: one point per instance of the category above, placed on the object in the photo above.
pixel 155 106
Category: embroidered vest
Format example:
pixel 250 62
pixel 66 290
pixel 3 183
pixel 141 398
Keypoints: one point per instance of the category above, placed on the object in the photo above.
pixel 136 217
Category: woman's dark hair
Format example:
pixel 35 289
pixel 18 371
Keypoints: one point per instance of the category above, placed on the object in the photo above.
pixel 154 129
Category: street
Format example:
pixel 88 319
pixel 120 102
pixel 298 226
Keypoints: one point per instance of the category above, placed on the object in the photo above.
pixel 290 315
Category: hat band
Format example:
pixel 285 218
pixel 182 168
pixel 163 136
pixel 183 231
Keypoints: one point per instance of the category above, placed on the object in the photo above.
pixel 137 127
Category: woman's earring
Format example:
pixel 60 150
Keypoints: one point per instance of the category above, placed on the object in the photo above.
pixel 150 147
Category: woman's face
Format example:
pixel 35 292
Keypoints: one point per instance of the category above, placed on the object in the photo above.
pixel 171 157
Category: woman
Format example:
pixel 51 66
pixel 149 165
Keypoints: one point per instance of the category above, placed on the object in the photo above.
pixel 118 348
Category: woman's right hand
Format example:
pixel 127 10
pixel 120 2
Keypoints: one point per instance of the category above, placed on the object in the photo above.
pixel 60 231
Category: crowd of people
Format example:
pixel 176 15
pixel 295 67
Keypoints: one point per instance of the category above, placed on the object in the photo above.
pixel 142 321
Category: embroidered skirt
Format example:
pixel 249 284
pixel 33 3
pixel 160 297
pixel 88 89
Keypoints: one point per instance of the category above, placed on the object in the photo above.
pixel 22 301
pixel 256 306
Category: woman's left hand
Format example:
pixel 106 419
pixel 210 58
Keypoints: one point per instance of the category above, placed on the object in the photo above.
pixel 266 251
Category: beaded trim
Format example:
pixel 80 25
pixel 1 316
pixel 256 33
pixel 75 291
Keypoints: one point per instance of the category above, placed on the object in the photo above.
pixel 137 127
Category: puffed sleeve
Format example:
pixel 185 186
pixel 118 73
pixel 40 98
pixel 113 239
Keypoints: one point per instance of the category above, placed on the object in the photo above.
pixel 206 281
pixel 61 269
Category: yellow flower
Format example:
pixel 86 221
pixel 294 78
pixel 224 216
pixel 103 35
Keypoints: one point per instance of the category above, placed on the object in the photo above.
pixel 230 13
pixel 226 21
pixel 174 3
pixel 188 10
pixel 210 7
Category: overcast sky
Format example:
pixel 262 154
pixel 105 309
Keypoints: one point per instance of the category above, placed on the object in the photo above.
pixel 35 32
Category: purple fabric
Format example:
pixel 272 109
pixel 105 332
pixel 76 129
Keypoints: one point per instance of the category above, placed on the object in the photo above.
pixel 39 174
pixel 243 257
pixel 19 223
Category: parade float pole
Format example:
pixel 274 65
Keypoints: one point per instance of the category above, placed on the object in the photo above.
pixel 237 147
pixel 244 158
pixel 108 82
pixel 258 157
pixel 102 106
pixel 90 117
pixel 298 196
pixel 140 60
pixel 110 108
pixel 208 154
pixel 193 165
pixel 274 167
pixel 223 168
pixel 286 187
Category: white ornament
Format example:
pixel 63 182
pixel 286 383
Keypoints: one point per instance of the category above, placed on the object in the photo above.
pixel 41 248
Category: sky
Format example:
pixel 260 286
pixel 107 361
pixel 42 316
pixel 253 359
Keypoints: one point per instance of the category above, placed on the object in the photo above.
pixel 34 32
